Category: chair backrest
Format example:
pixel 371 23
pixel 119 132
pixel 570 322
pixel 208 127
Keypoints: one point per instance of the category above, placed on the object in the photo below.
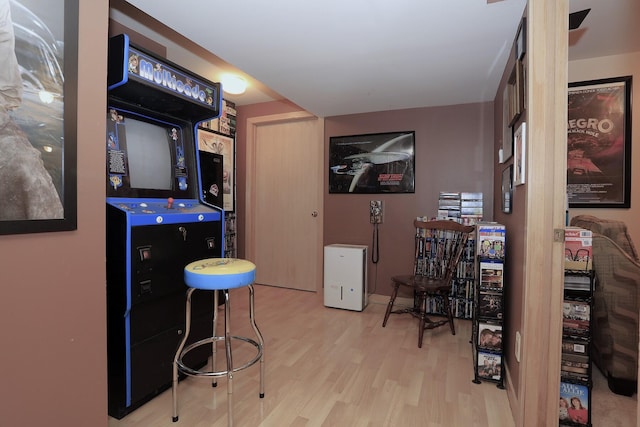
pixel 439 247
pixel 613 229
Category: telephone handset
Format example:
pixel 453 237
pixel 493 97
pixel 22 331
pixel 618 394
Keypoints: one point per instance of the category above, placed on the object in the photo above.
pixel 375 211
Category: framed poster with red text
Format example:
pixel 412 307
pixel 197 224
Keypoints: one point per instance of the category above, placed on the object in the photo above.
pixel 599 143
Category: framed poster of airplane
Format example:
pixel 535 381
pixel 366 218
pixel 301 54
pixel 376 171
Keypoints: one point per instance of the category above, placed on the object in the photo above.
pixel 372 163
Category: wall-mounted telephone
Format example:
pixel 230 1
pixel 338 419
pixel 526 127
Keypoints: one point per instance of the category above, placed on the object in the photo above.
pixel 375 217
pixel 375 211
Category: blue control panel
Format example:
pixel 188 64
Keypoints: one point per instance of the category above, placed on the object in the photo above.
pixel 164 211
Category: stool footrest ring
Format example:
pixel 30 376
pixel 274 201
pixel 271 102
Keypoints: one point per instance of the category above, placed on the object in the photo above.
pixel 200 373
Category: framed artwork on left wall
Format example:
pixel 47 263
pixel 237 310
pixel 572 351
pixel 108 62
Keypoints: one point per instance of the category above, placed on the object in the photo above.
pixel 507 132
pixel 521 39
pixel 520 154
pixel 38 158
pixel 515 86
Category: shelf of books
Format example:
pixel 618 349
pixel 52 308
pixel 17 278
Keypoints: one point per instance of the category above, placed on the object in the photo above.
pixel 575 366
pixel 488 313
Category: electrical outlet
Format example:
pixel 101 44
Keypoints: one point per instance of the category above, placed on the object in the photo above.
pixel 518 346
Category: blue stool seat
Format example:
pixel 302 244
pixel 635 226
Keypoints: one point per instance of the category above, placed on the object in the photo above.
pixel 219 273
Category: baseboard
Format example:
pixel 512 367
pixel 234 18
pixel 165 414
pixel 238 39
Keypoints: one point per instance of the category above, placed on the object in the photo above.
pixel 512 396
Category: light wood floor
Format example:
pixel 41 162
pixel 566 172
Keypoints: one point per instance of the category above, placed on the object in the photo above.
pixel 331 367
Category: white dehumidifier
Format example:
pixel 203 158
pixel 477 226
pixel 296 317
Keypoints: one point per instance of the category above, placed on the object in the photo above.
pixel 345 277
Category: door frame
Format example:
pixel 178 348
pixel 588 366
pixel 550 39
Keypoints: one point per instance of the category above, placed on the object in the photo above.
pixel 250 196
pixel 544 217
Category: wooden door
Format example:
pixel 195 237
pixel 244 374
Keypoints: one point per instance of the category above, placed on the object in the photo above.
pixel 284 199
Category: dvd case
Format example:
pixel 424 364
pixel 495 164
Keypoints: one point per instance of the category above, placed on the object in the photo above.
pixel 489 365
pixel 490 336
pixel 576 316
pixel 490 305
pixel 574 403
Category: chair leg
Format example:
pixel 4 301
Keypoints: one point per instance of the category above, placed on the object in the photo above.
pixel 447 305
pixel 394 294
pixel 422 308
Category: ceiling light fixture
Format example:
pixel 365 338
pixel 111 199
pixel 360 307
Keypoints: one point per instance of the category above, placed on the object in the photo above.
pixel 234 85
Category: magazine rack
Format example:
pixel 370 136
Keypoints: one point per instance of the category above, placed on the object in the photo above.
pixel 488 308
pixel 575 366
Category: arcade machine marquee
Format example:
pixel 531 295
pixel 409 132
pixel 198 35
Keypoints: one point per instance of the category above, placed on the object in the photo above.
pixel 157 218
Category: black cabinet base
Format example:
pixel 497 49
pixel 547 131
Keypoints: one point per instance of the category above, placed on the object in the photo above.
pixel 146 298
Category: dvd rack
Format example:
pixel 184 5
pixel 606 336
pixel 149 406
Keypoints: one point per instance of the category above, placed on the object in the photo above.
pixel 462 285
pixel 575 366
pixel 230 236
pixel 465 208
pixel 488 315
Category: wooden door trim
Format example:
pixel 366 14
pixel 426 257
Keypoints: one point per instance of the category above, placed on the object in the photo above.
pixel 250 197
pixel 538 387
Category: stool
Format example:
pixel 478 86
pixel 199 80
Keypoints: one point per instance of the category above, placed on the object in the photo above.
pixel 218 274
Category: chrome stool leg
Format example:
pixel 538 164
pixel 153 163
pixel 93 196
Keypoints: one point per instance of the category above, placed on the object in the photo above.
pixel 216 300
pixel 259 336
pixel 227 346
pixel 187 330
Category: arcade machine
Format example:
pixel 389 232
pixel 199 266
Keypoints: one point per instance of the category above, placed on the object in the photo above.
pixel 157 218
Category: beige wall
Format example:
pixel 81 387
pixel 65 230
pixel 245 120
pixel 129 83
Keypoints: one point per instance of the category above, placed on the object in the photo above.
pixel 52 301
pixel 606 67
pixel 454 152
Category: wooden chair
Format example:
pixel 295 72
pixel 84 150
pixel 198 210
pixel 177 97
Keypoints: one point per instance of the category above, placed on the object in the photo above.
pixel 439 245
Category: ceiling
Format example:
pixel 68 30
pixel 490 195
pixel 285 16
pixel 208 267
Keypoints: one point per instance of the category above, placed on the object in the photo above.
pixel 336 57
